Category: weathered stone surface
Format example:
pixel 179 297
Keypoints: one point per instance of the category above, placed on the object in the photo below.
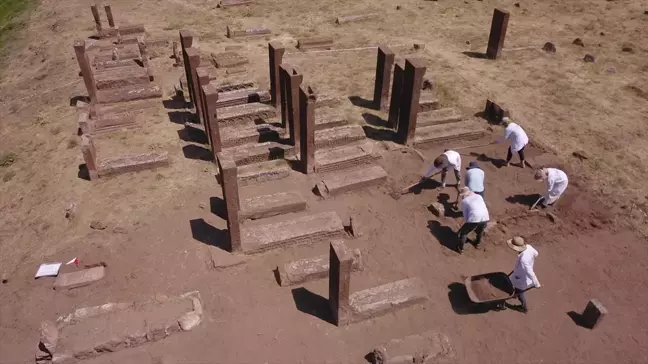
pixel 315 43
pixel 353 18
pixel 327 160
pixel 308 269
pixel 130 93
pixel 189 321
pixel 380 300
pixel 235 86
pixel 263 172
pixel 345 181
pixel 80 278
pixel 494 113
pixel 229 183
pixel 222 260
pixel 427 102
pixel 593 314
pixel 132 163
pixel 235 135
pixel 437 209
pixel 229 3
pixel 294 231
pixel 329 121
pixel 249 32
pixel 433 135
pixel 339 136
pixel 255 153
pixel 384 65
pixel 241 97
pixel 49 336
pixel 439 116
pixel 259 207
pixel 228 59
pixel 427 347
pixel 247 113
pixel 497 33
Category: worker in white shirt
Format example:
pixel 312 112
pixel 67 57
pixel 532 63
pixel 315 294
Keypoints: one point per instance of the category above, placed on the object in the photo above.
pixel 556 184
pixel 475 215
pixel 475 178
pixel 449 159
pixel 523 277
pixel 519 140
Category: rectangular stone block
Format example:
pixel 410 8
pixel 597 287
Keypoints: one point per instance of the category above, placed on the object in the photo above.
pixel 330 121
pixel 80 278
pixel 275 58
pixel 438 117
pixel 339 136
pixel 249 32
pixel 259 207
pixel 354 18
pixel 121 77
pixel 384 64
pixel 309 269
pixel 260 152
pixel 132 163
pixel 425 348
pixel 328 160
pixel 396 94
pixel 247 113
pixel 130 93
pixel 437 209
pixel 292 231
pixel 341 262
pixel 345 181
pixel 132 29
pixel 593 314
pixel 497 33
pixel 387 298
pixel 410 98
pixel 230 3
pixel 241 97
pixel 229 182
pixel 315 43
pixel 446 133
pixel 229 60
pixel 263 172
pixel 236 135
pixel 306 129
pixel 235 86
pixel 427 102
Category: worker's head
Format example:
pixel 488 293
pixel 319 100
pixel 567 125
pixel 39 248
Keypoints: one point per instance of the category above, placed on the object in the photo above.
pixel 540 174
pixel 517 243
pixel 441 161
pixel 465 192
pixel 506 121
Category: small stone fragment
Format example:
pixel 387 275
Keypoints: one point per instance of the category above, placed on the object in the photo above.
pixel 611 69
pixel 49 335
pixel 580 154
pixel 202 205
pixel 589 58
pixel 437 209
pixel 4 278
pixel 189 321
pixel 70 211
pixel 578 42
pixel 98 225
pixel 549 47
pixel 517 5
pixel 627 48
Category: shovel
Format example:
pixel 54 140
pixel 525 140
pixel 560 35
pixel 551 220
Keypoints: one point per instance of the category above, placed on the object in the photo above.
pixel 534 205
pixel 397 194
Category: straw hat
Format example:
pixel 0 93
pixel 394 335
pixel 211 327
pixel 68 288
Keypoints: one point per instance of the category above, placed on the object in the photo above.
pixel 517 243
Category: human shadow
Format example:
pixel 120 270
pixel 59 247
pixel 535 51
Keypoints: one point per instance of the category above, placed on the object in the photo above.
pixel 209 235
pixel 175 103
pixel 461 303
pixel 522 199
pixel 428 184
pixel 181 117
pixel 312 304
pixel 375 120
pixel 477 55
pixel 362 102
pixel 196 152
pixel 444 234
pixel 217 207
pixel 481 157
pixel 191 134
pixel 379 134
pixel 450 206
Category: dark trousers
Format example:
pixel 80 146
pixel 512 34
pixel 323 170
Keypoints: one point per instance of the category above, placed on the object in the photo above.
pixel 509 155
pixel 467 228
pixel 520 295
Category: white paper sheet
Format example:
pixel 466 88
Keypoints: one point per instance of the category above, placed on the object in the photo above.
pixel 48 270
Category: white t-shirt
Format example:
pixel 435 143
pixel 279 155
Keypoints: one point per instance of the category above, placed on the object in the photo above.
pixel 454 158
pixel 519 138
pixel 556 184
pixel 474 208
pixel 523 276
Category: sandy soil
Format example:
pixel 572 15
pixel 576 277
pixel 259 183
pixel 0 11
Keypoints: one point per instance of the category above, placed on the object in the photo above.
pixel 163 225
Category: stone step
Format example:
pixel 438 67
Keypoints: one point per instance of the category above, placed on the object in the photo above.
pixel 308 229
pixel 259 207
pixel 327 160
pixel 338 136
pixel 323 122
pixel 439 116
pixel 241 97
pixel 235 135
pixel 132 163
pixel 121 77
pixel 260 152
pixel 129 93
pixel 387 298
pixel 428 102
pixel 308 269
pixel 338 183
pixel 127 51
pixel 263 172
pixel 247 113
pixel 436 134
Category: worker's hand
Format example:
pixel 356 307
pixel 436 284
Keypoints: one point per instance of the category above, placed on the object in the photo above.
pixel 538 286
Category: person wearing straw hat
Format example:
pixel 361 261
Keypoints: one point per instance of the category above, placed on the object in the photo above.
pixel 449 159
pixel 523 277
pixel 519 140
pixel 475 215
pixel 475 178
pixel 556 184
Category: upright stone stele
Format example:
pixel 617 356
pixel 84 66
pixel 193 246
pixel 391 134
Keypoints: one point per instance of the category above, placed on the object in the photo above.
pixel 97 19
pixel 109 15
pixel 384 64
pixel 292 79
pixel 394 102
pixel 89 156
pixel 210 98
pixel 409 105
pixel 275 55
pixel 192 61
pixel 284 78
pixel 307 99
pixel 229 182
pixel 86 71
pixel 201 78
pixel 341 264
pixel 497 34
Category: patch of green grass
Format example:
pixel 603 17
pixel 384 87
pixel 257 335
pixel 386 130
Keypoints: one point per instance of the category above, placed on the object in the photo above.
pixel 10 17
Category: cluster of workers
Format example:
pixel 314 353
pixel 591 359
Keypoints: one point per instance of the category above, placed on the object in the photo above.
pixel 475 210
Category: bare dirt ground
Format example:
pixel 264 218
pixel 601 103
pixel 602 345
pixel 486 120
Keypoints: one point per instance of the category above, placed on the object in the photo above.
pixel 163 225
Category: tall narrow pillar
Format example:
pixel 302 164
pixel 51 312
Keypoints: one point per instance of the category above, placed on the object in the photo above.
pixel 497 33
pixel 397 89
pixel 275 55
pixel 307 99
pixel 86 71
pixel 109 15
pixel 186 41
pixel 209 95
pixel 229 182
pixel 200 78
pixel 384 65
pixel 341 262
pixel 192 61
pixel 292 92
pixel 284 78
pixel 89 156
pixel 408 113
pixel 97 19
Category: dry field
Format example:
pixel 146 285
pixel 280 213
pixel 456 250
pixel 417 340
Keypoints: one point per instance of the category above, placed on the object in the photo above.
pixel 161 230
